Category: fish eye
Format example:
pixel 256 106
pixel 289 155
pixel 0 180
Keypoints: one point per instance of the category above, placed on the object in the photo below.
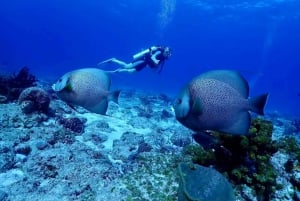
pixel 178 101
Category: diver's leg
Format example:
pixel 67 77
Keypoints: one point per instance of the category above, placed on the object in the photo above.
pixel 126 70
pixel 129 68
pixel 119 62
pixel 105 61
pixel 132 65
pixel 113 60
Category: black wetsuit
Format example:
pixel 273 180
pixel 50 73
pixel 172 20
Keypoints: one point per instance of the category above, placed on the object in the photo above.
pixel 148 61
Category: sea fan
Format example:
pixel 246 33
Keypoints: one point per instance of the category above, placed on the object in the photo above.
pixel 12 86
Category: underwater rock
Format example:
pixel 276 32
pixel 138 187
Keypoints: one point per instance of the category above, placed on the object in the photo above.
pixel 34 99
pixel 11 177
pixel 104 126
pixel 96 138
pixel 127 145
pixel 295 177
pixel 297 196
pixel 23 149
pixel 180 139
pixel 285 192
pixel 143 147
pixel 199 183
pixel 73 124
pixel 51 139
pixel 247 193
pixel 3 196
pixel 24 137
pixel 278 160
pixel 63 136
pixel 41 144
pixel 165 114
pixel 7 157
pixel 20 159
pixel 145 111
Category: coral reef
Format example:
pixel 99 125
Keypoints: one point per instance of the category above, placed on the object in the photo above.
pixel 153 182
pixel 34 99
pixel 77 155
pixel 12 86
pixel 244 159
pixel 7 157
pixel 73 124
pixel 296 124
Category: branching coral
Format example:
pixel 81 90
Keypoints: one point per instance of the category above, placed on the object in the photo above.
pixel 12 86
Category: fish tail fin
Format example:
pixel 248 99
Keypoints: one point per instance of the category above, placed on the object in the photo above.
pixel 258 103
pixel 114 96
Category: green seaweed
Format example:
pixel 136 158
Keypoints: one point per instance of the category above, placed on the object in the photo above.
pixel 149 182
pixel 290 145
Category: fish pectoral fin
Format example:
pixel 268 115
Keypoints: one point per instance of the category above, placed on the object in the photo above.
pixel 68 87
pixel 240 125
pixel 197 107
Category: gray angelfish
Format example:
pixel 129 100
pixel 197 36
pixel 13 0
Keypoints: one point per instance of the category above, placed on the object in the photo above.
pixel 86 87
pixel 218 100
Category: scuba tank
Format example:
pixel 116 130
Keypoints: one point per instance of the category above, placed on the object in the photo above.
pixel 142 53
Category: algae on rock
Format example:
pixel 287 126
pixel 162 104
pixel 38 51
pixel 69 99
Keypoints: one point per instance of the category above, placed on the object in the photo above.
pixel 199 183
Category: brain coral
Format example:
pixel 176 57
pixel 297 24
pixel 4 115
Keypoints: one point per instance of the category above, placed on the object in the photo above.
pixel 34 99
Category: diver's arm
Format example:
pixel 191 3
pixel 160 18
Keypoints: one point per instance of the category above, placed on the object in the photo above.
pixel 153 57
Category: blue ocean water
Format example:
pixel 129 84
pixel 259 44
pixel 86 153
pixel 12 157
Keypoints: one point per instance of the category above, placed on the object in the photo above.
pixel 261 39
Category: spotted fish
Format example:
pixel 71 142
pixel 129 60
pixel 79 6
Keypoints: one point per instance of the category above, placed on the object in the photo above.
pixel 86 87
pixel 218 100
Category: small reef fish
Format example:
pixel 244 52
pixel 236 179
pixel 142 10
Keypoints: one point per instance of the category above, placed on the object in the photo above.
pixel 86 87
pixel 218 100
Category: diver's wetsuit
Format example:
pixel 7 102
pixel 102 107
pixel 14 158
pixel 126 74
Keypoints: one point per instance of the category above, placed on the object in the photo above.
pixel 148 61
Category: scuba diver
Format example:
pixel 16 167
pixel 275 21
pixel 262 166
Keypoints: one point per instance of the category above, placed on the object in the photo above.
pixel 154 57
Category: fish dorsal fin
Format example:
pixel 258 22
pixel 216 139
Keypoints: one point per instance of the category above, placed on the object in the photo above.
pixel 232 78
